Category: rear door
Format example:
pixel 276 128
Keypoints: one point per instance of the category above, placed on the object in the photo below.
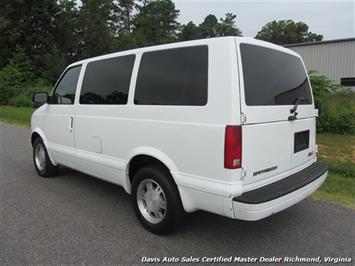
pixel 98 131
pixel 272 80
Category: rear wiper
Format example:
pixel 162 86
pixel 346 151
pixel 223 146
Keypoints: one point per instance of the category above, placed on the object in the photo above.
pixel 297 102
pixel 294 109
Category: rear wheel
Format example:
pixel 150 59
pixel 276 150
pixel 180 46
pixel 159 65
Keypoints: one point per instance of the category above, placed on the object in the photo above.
pixel 156 200
pixel 43 164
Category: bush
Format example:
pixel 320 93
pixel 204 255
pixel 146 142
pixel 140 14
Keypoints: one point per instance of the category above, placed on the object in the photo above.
pixel 23 95
pixel 39 85
pixel 335 103
pixel 337 114
pixel 15 76
pixel 21 101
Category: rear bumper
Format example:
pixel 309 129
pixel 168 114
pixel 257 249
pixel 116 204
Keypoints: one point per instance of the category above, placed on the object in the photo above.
pixel 265 201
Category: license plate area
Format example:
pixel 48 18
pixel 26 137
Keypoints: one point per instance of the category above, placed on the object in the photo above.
pixel 301 141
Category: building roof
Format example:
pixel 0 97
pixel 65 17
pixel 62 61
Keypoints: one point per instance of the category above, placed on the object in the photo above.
pixel 319 42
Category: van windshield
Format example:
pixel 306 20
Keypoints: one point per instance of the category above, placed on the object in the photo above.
pixel 272 77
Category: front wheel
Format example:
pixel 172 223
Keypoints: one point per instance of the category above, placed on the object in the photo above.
pixel 156 200
pixel 43 164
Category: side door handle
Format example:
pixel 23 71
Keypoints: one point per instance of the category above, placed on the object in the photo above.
pixel 71 121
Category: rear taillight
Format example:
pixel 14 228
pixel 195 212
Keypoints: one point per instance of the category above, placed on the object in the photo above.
pixel 233 147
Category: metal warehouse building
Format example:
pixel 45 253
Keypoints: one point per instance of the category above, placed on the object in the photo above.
pixel 334 59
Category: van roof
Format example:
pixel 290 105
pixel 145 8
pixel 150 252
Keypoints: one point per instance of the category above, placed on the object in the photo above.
pixel 238 40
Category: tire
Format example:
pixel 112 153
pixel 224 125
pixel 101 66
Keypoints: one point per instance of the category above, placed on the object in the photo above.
pixel 156 200
pixel 43 164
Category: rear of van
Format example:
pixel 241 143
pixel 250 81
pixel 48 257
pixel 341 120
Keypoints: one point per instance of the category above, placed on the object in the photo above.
pixel 278 132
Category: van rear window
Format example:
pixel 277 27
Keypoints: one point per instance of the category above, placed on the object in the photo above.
pixel 272 77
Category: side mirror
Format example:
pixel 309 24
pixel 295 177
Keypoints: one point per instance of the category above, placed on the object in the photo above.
pixel 40 98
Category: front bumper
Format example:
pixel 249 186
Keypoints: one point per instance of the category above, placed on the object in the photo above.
pixel 265 201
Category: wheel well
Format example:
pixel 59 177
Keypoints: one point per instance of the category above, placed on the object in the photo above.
pixel 34 136
pixel 140 161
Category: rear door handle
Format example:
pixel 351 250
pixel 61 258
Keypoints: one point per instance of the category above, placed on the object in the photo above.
pixel 71 120
pixel 292 117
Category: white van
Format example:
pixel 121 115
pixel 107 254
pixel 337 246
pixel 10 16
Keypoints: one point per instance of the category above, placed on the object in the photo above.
pixel 225 125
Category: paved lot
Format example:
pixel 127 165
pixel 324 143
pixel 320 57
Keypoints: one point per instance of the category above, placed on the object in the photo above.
pixel 76 219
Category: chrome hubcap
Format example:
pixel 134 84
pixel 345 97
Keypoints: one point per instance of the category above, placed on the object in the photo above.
pixel 151 201
pixel 40 157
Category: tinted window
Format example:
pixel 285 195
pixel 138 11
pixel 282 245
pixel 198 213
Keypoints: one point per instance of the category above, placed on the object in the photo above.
pixel 347 81
pixel 107 81
pixel 173 77
pixel 64 93
pixel 272 77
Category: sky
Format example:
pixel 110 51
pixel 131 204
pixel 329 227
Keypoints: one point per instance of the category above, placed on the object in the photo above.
pixel 333 19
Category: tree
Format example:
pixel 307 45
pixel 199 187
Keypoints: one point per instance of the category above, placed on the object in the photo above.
pixel 210 27
pixel 126 8
pixel 189 32
pixel 66 32
pixel 66 40
pixel 31 25
pixel 228 27
pixel 5 43
pixel 155 22
pixel 97 27
pixel 125 41
pixel 286 32
pixel 55 33
pixel 15 76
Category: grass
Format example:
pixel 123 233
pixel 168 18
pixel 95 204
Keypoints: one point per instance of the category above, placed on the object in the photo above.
pixel 338 152
pixel 16 115
pixel 335 150
pixel 338 189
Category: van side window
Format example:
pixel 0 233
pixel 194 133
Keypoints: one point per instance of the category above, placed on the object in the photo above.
pixel 173 77
pixel 107 81
pixel 64 93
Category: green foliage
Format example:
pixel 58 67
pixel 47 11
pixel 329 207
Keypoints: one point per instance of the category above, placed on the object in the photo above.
pixel 18 82
pixel 39 38
pixel 55 33
pixel 322 87
pixel 19 70
pixel 338 113
pixel 5 36
pixel 21 101
pixel 210 27
pixel 56 63
pixel 97 27
pixel 286 32
pixel 339 189
pixel 15 75
pixel 67 38
pixel 336 151
pixel 50 34
pixel 156 23
pixel 336 105
pixel 227 26
pixel 125 15
pixel 16 115
pixel 125 41
pixel 189 32
pixel 29 24
pixel 45 29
